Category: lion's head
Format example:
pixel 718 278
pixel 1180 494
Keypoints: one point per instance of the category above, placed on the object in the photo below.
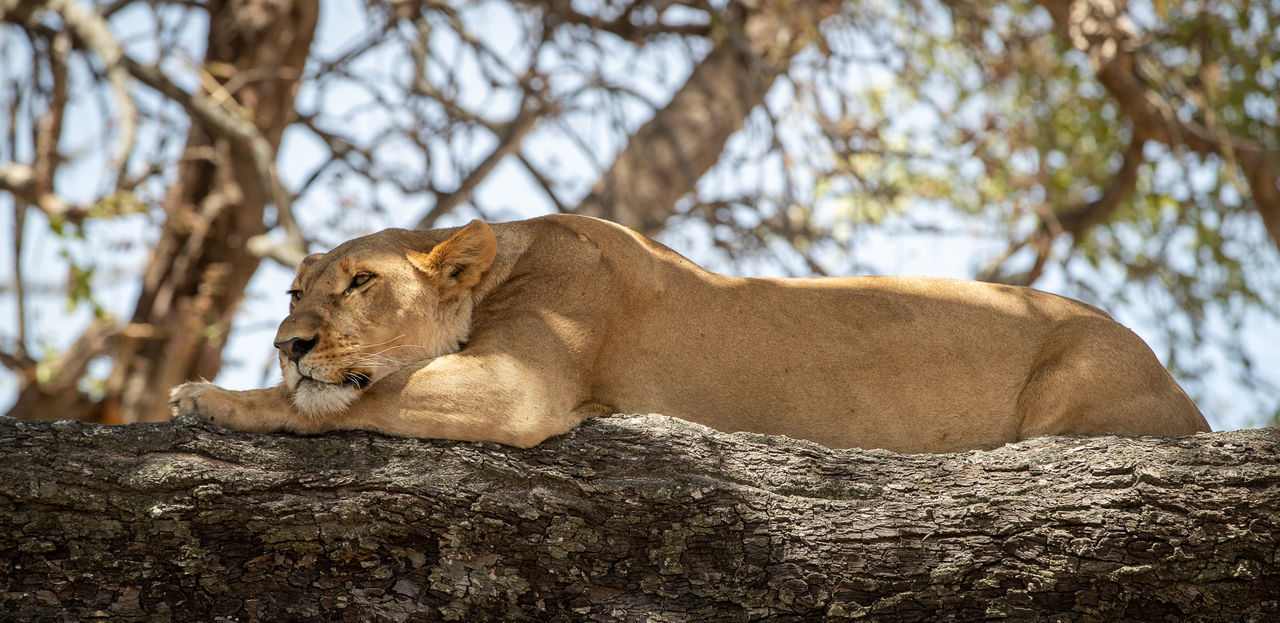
pixel 373 305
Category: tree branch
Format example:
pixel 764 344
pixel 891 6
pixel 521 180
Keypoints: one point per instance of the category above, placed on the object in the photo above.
pixel 20 179
pixel 543 182
pixel 1099 29
pixel 48 132
pixel 624 26
pixel 666 157
pixel 631 518
pixel 59 396
pixel 1076 222
pixel 240 131
pixel 92 32
pixel 509 139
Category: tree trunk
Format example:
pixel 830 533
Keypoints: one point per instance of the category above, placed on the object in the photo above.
pixel 630 518
pixel 201 265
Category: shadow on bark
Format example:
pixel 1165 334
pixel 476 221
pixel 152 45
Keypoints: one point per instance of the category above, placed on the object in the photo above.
pixel 630 518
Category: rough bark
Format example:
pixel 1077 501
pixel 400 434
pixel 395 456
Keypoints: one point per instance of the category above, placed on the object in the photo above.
pixel 630 518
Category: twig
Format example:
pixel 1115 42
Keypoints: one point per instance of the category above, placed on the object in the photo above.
pixel 49 128
pixel 21 180
pixel 543 182
pixel 238 130
pixel 1075 222
pixel 19 291
pixel 93 32
pixel 1116 54
pixel 508 142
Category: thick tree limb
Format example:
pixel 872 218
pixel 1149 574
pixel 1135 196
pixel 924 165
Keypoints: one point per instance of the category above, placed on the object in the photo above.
pixel 628 519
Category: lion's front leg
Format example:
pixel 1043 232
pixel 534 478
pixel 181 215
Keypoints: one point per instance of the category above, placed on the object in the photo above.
pixel 472 397
pixel 255 411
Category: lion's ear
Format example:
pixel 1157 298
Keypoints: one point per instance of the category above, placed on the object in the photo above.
pixel 308 260
pixel 459 261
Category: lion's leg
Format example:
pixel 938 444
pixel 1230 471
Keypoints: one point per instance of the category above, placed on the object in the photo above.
pixel 471 397
pixel 257 411
pixel 1097 377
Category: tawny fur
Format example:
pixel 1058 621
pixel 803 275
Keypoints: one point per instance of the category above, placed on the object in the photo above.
pixel 519 331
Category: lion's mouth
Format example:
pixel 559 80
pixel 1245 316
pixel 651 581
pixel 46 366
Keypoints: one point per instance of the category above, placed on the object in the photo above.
pixel 358 380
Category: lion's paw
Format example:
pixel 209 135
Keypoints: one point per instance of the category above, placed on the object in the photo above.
pixel 203 403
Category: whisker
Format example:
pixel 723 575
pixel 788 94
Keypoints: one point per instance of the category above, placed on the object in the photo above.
pixel 386 342
pixel 373 356
pixel 378 362
pixel 377 358
pixel 401 346
pixel 385 356
pixel 398 359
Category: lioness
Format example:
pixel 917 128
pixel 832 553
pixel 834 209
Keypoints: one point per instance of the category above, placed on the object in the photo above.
pixel 518 332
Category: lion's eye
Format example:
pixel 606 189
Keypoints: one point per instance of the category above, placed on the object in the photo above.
pixel 359 280
pixel 295 294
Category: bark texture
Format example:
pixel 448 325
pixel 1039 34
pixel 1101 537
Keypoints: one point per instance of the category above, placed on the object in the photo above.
pixel 630 518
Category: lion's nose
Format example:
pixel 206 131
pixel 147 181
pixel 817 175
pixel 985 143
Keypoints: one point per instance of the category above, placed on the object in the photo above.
pixel 295 347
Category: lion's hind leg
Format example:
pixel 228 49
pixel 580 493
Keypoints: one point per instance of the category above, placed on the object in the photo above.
pixel 1094 376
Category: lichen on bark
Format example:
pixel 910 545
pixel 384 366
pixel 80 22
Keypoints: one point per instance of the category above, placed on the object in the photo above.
pixel 630 518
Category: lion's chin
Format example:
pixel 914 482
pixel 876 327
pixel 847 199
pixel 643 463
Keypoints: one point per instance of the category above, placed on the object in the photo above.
pixel 317 399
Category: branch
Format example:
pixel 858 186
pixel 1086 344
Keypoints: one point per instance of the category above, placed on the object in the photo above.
pixel 242 132
pixel 543 182
pixel 666 157
pixel 20 364
pixel 509 139
pixel 49 127
pixel 21 361
pixel 60 393
pixel 20 180
pixel 631 518
pixel 93 32
pixel 1076 222
pixel 624 26
pixel 1097 28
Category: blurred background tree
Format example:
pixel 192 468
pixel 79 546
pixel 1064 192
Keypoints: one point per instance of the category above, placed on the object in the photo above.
pixel 162 163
